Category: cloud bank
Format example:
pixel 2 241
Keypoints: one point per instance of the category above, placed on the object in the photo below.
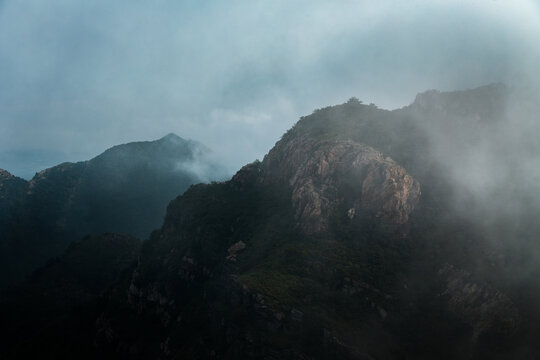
pixel 77 77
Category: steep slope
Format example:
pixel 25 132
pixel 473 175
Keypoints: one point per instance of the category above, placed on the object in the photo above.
pixel 125 189
pixel 138 180
pixel 326 175
pixel 282 245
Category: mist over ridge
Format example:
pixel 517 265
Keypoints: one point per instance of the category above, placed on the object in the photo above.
pixel 77 78
pixel 125 189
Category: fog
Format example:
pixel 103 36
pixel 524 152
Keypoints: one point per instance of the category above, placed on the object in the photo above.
pixel 77 77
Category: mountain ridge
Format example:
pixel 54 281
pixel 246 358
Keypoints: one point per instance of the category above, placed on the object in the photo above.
pixel 124 189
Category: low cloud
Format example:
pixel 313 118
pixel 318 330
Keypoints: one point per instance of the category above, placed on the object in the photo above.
pixel 77 77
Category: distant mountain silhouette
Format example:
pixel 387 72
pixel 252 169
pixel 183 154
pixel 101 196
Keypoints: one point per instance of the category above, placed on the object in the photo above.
pixel 125 189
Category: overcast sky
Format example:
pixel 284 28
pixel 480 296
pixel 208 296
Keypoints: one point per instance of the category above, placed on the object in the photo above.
pixel 77 77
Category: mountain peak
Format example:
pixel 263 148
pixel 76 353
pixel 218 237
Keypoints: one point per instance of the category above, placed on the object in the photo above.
pixel 469 99
pixel 172 137
pixel 4 174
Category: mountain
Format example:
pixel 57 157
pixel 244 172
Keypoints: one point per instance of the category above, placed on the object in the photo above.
pixel 363 234
pixel 125 189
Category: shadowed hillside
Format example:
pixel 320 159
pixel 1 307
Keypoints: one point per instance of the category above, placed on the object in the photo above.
pixel 126 189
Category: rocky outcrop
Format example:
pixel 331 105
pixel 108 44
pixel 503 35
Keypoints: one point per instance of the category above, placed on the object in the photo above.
pixel 329 176
pixel 4 175
pixel 487 310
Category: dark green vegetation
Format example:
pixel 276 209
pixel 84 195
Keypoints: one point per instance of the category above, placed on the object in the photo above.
pixel 233 274
pixel 126 189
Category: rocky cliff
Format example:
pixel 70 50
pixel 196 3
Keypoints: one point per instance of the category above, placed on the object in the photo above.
pixel 326 176
pixel 275 244
pixel 484 308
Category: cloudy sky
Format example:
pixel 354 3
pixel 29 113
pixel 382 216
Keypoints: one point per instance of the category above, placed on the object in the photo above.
pixel 77 77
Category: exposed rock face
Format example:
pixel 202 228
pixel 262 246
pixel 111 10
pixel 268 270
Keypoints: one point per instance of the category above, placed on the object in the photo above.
pixel 234 249
pixel 326 175
pixel 484 308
